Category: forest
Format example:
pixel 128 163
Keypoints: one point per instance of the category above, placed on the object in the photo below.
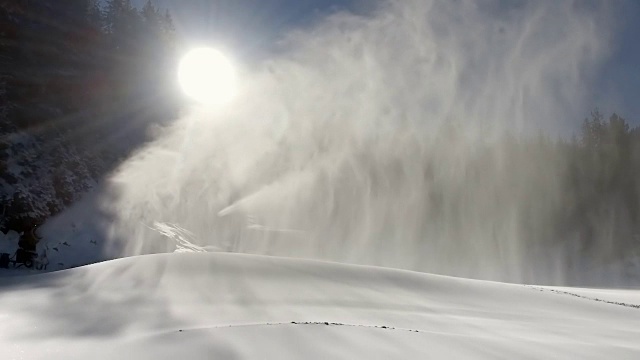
pixel 79 82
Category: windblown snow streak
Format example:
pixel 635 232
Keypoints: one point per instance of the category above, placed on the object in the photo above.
pixel 353 144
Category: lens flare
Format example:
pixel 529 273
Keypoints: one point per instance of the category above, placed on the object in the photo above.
pixel 207 76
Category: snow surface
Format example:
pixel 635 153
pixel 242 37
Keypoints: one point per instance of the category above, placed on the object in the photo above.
pixel 233 306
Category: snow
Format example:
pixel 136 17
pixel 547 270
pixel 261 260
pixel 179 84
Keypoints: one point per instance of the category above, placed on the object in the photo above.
pixel 234 306
pixel 70 240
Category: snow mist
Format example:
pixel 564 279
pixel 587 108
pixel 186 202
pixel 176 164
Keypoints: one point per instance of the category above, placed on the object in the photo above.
pixel 353 143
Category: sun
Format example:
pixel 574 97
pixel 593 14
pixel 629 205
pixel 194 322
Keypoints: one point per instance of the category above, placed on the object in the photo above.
pixel 207 76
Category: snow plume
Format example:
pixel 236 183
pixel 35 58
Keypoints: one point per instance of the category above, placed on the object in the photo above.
pixel 359 142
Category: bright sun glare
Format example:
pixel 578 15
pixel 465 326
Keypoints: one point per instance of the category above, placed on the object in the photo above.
pixel 207 76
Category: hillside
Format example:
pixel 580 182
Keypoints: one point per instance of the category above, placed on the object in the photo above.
pixel 68 112
pixel 235 306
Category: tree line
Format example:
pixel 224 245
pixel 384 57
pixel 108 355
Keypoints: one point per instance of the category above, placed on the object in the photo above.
pixel 542 198
pixel 79 82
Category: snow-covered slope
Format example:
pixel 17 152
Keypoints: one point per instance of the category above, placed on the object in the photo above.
pixel 232 306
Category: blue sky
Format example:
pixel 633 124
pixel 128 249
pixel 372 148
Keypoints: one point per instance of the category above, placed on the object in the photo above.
pixel 618 85
pixel 250 27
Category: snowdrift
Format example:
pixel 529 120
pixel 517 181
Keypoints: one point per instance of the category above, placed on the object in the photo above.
pixel 233 306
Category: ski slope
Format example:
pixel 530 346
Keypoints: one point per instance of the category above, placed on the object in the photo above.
pixel 234 306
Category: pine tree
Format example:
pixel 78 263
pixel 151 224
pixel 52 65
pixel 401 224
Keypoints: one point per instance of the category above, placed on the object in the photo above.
pixel 150 15
pixel 95 16
pixel 167 22
pixel 117 14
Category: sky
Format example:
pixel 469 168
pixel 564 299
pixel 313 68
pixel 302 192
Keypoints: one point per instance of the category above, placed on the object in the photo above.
pixel 248 27
pixel 618 86
pixel 252 28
